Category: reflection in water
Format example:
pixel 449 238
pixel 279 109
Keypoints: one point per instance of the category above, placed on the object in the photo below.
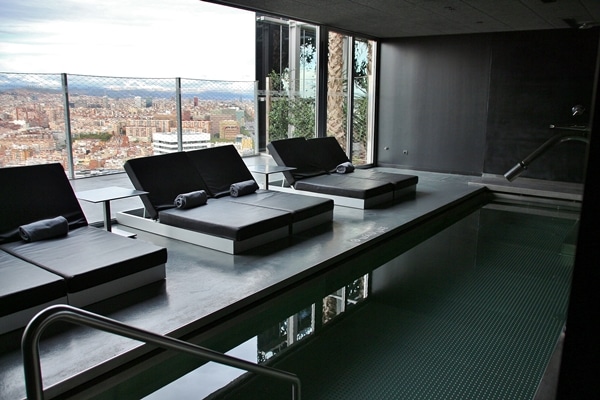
pixel 304 323
pixel 208 378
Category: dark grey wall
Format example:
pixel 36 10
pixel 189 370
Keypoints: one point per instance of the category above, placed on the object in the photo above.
pixel 433 102
pixel 477 104
pixel 535 80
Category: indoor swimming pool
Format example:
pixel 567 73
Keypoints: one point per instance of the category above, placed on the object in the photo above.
pixel 474 311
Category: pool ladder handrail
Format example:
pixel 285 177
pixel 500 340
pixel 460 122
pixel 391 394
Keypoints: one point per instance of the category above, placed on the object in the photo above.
pixel 33 331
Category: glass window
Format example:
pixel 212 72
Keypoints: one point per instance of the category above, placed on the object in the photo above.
pixel 287 68
pixel 363 102
pixel 351 60
pixel 337 87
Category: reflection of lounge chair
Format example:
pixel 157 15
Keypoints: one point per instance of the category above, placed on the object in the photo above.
pixel 316 161
pixel 225 223
pixel 85 266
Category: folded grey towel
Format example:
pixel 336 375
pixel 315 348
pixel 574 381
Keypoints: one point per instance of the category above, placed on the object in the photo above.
pixel 191 199
pixel 243 188
pixel 44 229
pixel 344 168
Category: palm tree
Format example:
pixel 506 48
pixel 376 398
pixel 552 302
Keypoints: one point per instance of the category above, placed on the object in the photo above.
pixel 336 115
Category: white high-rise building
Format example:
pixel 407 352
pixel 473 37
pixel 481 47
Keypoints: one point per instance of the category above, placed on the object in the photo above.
pixel 163 143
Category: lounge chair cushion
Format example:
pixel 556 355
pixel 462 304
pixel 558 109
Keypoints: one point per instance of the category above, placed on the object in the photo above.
pixel 155 175
pixel 24 285
pixel 223 166
pixel 399 181
pixel 326 152
pixel 225 216
pixel 89 256
pixel 33 194
pixel 344 185
pixel 295 152
pixel 235 221
pixel 220 167
pixel 301 207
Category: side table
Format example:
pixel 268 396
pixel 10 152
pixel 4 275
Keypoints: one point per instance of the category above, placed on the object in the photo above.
pixel 267 170
pixel 106 195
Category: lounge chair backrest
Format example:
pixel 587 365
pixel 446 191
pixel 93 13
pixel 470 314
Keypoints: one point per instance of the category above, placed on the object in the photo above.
pixel 327 152
pixel 164 177
pixel 295 152
pixel 220 167
pixel 33 193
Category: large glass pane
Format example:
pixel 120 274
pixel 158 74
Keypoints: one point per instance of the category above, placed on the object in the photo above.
pixel 217 112
pixel 290 84
pixel 32 123
pixel 303 82
pixel 363 102
pixel 337 87
pixel 114 119
pixel 354 134
pixel 351 60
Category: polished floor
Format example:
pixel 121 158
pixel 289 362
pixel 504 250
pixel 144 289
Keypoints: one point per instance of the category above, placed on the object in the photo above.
pixel 208 293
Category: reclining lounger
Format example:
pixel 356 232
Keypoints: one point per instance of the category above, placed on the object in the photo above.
pixel 25 290
pixel 94 264
pixel 220 225
pixel 316 160
pixel 329 154
pixel 222 166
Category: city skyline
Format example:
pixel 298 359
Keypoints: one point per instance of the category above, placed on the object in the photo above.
pixel 161 39
pixel 105 131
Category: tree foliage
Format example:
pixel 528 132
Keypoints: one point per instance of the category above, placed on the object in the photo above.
pixel 289 116
pixel 104 137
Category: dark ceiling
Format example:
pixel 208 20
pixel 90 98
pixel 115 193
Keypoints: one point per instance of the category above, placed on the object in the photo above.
pixel 401 18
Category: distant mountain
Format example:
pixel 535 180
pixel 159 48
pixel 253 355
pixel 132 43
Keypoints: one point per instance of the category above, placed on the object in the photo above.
pixel 128 87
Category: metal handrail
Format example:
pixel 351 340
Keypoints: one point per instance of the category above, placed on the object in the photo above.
pixel 33 332
pixel 581 135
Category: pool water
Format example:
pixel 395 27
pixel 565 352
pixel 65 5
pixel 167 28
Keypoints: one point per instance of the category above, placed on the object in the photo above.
pixel 472 312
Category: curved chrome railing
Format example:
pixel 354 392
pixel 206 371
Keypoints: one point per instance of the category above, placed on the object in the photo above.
pixel 33 332
pixel 578 133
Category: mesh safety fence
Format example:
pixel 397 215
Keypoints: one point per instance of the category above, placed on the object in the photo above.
pixel 93 124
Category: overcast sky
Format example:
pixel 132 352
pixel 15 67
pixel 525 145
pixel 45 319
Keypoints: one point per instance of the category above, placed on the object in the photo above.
pixel 127 38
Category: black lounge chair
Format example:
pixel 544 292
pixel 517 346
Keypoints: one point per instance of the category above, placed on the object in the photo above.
pixel 25 290
pixel 222 166
pixel 92 263
pixel 331 155
pixel 219 224
pixel 316 161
